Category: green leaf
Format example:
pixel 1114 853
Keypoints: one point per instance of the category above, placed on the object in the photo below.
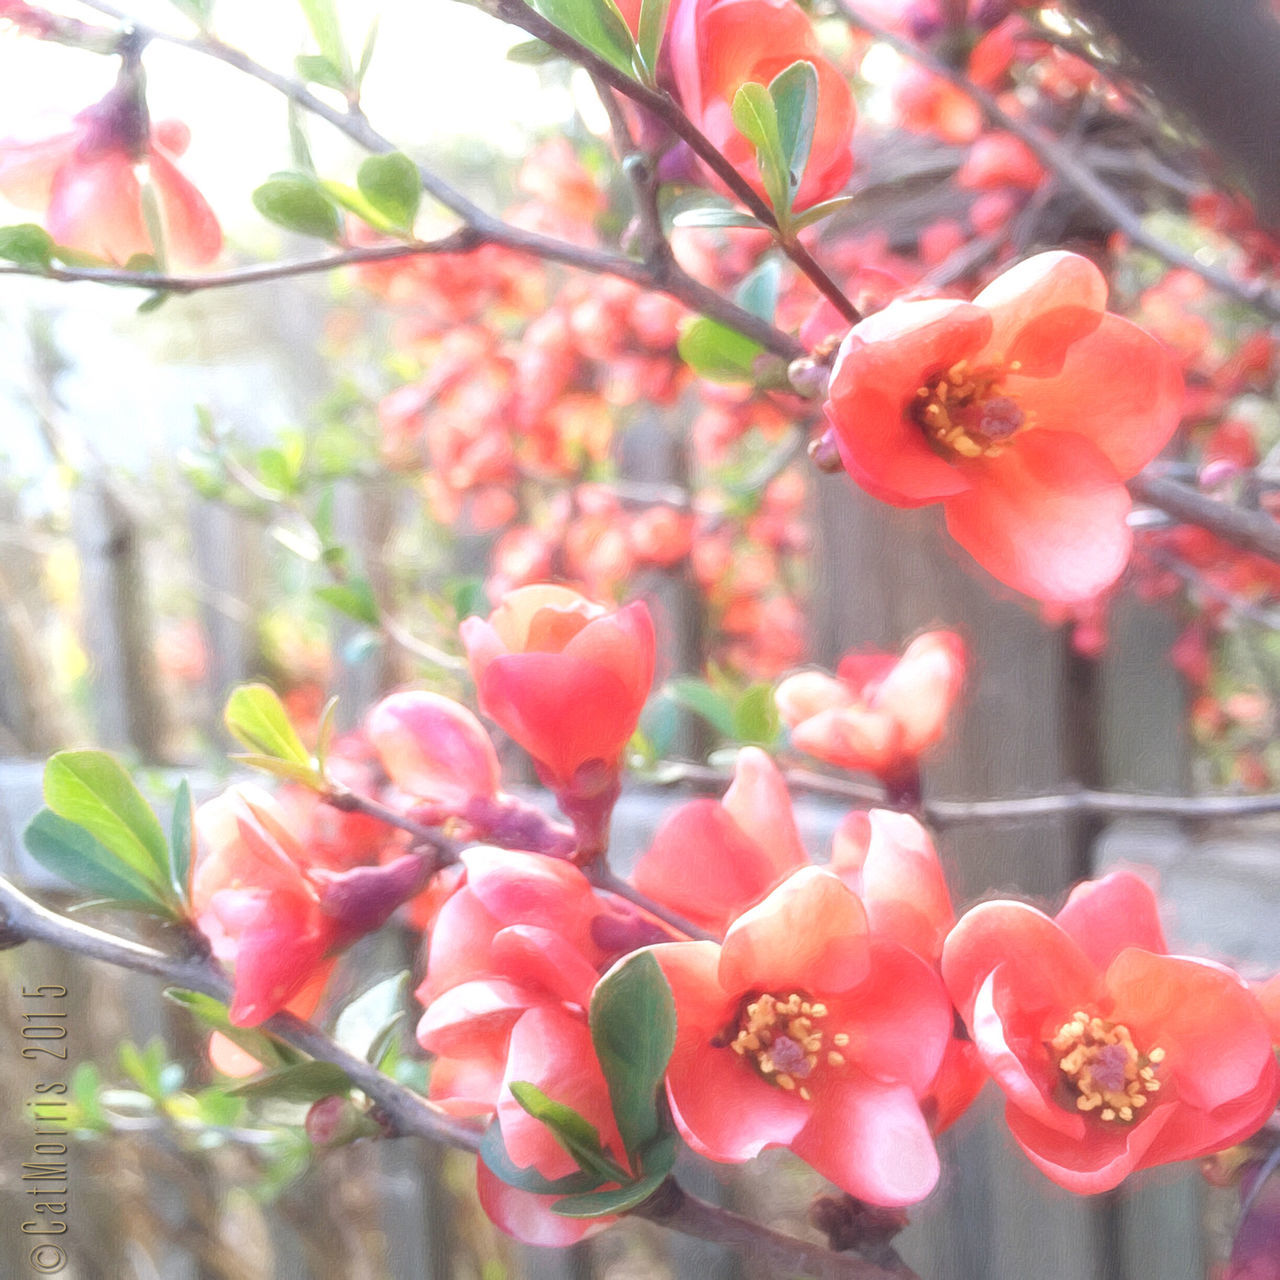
pixel 714 215
pixel 354 598
pixel 324 735
pixel 308 775
pixel 758 292
pixel 304 1082
pixel 716 352
pixel 93 790
pixel 755 716
pixel 317 69
pixel 595 23
pixel 795 99
pixel 367 1019
pixel 633 1028
pixel 26 244
pixel 532 53
pixel 69 851
pixel 391 184
pixel 599 1204
pixel 351 200
pixel 213 1013
pixel 494 1153
pixel 699 697
pixel 816 213
pixel 182 840
pixel 756 118
pixel 256 717
pixel 299 147
pixel 322 18
pixel 651 28
pixel 366 52
pixel 573 1131
pixel 298 203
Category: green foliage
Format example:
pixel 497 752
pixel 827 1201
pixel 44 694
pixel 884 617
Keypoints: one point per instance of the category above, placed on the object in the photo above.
pixel 652 25
pixel 598 24
pixel 297 202
pixel 303 1082
pixel 182 841
pixel 256 717
pixel 494 1153
pixel 367 1026
pixel 354 597
pixel 69 851
pixel 714 215
pixel 272 1052
pixel 716 352
pixel 27 244
pixel 391 184
pixel 577 1135
pixel 322 18
pixel 739 715
pixel 633 1028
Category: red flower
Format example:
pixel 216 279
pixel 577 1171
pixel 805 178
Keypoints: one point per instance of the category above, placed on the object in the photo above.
pixel 1113 1055
pixel 1022 412
pixel 805 1031
pixel 85 177
pixel 717 46
pixel 880 712
pixel 567 680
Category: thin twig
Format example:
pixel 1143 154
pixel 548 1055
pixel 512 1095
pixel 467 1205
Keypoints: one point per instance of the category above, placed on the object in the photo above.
pixel 1258 295
pixel 1249 530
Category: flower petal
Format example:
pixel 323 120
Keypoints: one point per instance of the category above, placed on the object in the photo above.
pixel 1047 517
pixel 809 935
pixel 528 1216
pixel 1105 916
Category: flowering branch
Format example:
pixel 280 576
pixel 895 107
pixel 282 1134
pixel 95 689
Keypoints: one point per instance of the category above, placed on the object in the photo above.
pixel 1249 530
pixel 669 278
pixel 405 1112
pixel 1259 295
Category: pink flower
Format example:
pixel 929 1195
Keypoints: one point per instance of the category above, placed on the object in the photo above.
pixel 804 1030
pixel 880 712
pixel 86 178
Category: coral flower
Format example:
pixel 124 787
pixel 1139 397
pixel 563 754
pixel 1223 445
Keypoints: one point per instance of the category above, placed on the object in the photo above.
pixel 880 712
pixel 86 178
pixel 717 46
pixel 1113 1055
pixel 567 679
pixel 1022 412
pixel 805 1031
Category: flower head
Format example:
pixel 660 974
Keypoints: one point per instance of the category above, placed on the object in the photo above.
pixel 881 711
pixel 1022 412
pixel 1113 1055
pixel 803 1030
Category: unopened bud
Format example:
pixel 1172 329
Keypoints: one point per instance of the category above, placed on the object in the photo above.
pixel 809 378
pixel 824 453
pixel 335 1121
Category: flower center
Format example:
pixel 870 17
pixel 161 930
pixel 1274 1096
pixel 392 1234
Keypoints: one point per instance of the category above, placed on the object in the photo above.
pixel 1105 1067
pixel 783 1038
pixel 963 411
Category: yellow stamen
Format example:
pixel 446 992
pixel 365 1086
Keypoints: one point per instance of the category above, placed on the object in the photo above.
pixel 1109 1073
pixel 782 1038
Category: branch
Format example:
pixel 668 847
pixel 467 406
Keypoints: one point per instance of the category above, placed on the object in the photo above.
pixel 354 124
pixel 1249 530
pixel 463 240
pixel 408 1113
pixel 775 1254
pixel 1258 295
pixel 667 110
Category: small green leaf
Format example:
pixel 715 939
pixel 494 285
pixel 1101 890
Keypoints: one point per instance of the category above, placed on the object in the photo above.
pixel 69 851
pixel 304 1082
pixel 322 18
pixel 714 215
pixel 633 1028
pixel 494 1153
pixel 317 69
pixel 577 1135
pixel 26 244
pixel 595 23
pixel 93 790
pixel 351 200
pixel 256 717
pixel 182 840
pixel 391 184
pixel 324 735
pixel 816 213
pixel 758 292
pixel 532 53
pixel 600 1204
pixel 308 775
pixel 368 1018
pixel 699 697
pixel 651 28
pixel 298 203
pixel 795 99
pixel 366 52
pixel 354 598
pixel 268 1050
pixel 299 147
pixel 755 716
pixel 716 352
pixel 756 118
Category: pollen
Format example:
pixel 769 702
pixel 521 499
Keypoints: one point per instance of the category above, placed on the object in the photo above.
pixel 782 1037
pixel 1110 1075
pixel 964 412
